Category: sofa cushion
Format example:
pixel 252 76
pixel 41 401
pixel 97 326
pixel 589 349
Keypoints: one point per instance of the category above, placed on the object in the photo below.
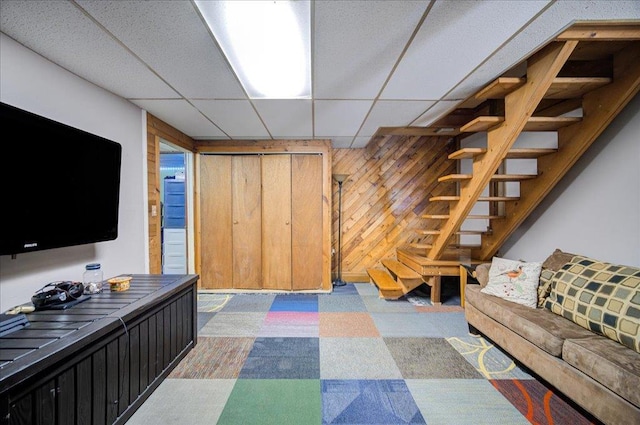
pixel 601 297
pixel 608 362
pixel 539 326
pixel 557 259
pixel 515 281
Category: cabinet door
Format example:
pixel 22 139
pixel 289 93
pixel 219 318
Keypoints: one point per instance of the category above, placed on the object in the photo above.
pixel 247 223
pixel 306 219
pixel 216 222
pixel 276 222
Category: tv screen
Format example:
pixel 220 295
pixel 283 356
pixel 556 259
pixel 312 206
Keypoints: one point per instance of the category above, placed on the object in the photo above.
pixel 61 184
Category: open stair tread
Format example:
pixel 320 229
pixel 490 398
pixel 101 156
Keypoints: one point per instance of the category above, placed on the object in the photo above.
pixel 481 199
pixel 561 88
pixel 495 177
pixel 400 270
pixel 454 249
pixel 485 123
pixel 459 232
pixel 383 280
pixel 448 258
pixel 472 217
pixel 465 153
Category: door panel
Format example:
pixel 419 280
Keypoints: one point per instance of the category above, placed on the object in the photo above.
pixel 306 216
pixel 216 222
pixel 247 222
pixel 276 222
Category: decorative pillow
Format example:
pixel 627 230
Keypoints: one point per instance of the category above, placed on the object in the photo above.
pixel 556 260
pixel 601 297
pixel 482 274
pixel 544 287
pixel 514 281
pixel 552 264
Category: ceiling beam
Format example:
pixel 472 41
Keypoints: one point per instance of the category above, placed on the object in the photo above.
pixel 601 32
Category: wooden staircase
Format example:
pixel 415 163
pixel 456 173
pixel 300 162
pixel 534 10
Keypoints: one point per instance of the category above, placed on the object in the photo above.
pixel 571 89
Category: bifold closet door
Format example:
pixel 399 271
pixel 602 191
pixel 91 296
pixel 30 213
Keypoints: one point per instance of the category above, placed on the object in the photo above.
pixel 247 222
pixel 306 218
pixel 261 222
pixel 276 222
pixel 231 222
pixel 216 238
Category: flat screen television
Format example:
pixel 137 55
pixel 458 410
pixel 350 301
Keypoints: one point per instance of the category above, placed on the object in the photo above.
pixel 61 185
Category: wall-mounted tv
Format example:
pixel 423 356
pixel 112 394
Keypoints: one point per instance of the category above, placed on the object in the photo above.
pixel 61 185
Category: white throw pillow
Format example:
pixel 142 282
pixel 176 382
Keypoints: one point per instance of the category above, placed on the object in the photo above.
pixel 514 281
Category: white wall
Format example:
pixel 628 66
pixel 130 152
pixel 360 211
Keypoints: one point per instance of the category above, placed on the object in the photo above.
pixel 595 209
pixel 30 82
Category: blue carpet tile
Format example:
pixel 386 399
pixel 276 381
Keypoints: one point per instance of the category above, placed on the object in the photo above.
pixel 295 302
pixel 283 358
pixel 346 357
pixel 368 402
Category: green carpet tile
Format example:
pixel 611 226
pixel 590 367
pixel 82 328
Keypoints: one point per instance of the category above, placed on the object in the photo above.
pixel 273 401
pixel 348 357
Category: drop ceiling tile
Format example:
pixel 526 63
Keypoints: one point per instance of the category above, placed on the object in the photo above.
pixel 237 118
pixel 456 37
pixel 356 46
pixel 393 113
pixel 184 117
pixel 287 118
pixel 360 142
pixel 339 117
pixel 462 46
pixel 341 142
pixel 434 113
pixel 174 41
pixel 63 34
pixel 546 26
pixel 48 87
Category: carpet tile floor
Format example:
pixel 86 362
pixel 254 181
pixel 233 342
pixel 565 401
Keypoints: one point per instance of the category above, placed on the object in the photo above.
pixel 347 357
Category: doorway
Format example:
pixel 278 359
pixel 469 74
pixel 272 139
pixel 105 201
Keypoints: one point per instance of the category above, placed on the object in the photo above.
pixel 173 207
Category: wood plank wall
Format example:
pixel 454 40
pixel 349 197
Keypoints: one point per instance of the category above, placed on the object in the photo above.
pixel 154 204
pixel 383 199
pixel 157 129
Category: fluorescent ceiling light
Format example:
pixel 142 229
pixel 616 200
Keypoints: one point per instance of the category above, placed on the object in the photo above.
pixel 267 43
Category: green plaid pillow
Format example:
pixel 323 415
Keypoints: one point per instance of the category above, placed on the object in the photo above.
pixel 601 297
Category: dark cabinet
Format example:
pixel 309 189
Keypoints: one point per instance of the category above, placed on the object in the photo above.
pixel 101 372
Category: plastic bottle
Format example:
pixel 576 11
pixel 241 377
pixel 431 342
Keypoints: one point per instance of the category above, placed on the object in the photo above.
pixel 92 278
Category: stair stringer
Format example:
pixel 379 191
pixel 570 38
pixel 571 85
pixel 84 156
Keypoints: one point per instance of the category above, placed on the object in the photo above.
pixel 599 107
pixel 519 107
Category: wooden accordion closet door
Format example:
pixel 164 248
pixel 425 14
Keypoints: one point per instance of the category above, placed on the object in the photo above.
pixel 261 222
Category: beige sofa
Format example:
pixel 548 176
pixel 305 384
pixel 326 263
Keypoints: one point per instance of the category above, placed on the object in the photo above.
pixel 595 371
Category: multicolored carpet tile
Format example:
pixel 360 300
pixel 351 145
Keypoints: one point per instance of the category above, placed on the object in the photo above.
pixel 348 357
